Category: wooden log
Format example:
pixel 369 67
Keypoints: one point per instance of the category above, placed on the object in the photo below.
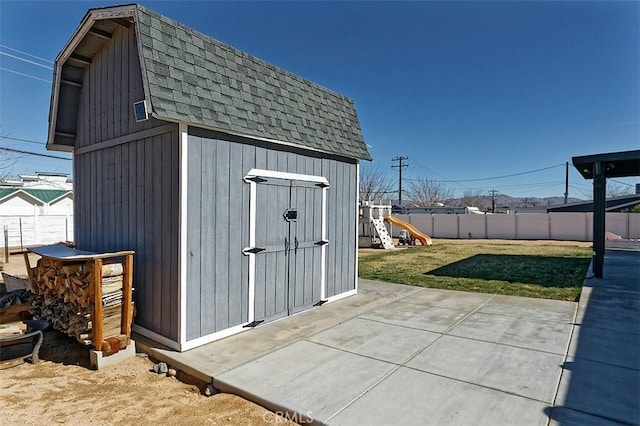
pixel 112 269
pixel 110 332
pixel 110 346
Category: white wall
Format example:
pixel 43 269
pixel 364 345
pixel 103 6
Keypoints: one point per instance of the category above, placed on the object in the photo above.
pixel 19 204
pixel 530 226
pixel 62 207
pixel 36 230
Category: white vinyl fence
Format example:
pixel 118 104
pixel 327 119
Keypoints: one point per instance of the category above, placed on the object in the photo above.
pixel 25 231
pixel 529 226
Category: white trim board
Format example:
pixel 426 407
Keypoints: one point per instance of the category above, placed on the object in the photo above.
pixel 252 227
pixel 183 135
pixel 155 337
pixel 285 175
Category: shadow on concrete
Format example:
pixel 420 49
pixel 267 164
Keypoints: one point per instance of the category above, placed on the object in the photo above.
pixel 546 271
pixel 600 381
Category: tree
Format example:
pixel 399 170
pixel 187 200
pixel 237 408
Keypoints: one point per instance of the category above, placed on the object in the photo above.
pixel 474 199
pixel 375 185
pixel 617 189
pixel 613 190
pixel 7 158
pixel 428 192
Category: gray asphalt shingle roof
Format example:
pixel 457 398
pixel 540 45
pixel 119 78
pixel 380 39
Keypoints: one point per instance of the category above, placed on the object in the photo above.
pixel 195 79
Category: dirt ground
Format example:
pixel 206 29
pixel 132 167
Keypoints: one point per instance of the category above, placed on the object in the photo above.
pixel 62 389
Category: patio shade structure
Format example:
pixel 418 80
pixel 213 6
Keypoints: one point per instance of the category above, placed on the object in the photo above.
pixel 599 167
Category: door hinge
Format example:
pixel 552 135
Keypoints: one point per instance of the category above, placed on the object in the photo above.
pixel 257 179
pixel 321 242
pixel 253 250
pixel 322 185
pixel 253 324
pixel 320 303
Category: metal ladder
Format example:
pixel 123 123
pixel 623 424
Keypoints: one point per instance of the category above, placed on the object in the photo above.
pixel 385 238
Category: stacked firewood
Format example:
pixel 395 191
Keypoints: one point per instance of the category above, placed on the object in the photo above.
pixel 64 296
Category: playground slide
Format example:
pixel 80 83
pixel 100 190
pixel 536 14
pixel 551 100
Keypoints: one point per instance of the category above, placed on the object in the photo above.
pixel 413 231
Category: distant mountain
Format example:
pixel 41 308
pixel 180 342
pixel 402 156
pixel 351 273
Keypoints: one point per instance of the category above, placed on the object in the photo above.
pixel 503 200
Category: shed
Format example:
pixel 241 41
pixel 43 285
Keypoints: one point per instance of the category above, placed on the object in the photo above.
pixel 235 182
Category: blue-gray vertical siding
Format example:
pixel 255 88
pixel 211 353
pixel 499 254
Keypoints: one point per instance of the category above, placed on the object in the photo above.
pixel 126 196
pixel 218 224
pixel 110 87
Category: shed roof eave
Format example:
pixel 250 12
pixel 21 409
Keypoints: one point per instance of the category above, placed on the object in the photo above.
pixel 257 138
pixel 59 147
pixel 87 22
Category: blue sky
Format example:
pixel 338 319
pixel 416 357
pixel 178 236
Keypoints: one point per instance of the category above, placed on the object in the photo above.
pixel 466 90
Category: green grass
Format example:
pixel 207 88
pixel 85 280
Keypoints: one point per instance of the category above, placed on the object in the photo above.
pixel 543 271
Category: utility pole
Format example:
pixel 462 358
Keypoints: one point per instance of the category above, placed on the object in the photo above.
pixel 566 182
pixel 493 200
pixel 400 166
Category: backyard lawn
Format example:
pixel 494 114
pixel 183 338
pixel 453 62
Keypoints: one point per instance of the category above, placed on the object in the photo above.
pixel 548 271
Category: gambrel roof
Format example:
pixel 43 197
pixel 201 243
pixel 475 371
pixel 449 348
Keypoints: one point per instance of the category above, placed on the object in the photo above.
pixel 191 78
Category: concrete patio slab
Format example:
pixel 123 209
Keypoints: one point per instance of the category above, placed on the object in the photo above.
pixel 411 397
pixel 396 354
pixel 527 307
pixel 600 389
pixel 609 314
pixel 208 360
pixel 519 371
pixel 521 332
pixel 605 346
pixel 377 340
pixel 459 300
pixel 306 378
pixel 422 317
pixel 561 416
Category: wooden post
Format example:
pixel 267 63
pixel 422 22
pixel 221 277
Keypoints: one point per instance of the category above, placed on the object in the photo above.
pixel 29 270
pixel 127 285
pixel 97 305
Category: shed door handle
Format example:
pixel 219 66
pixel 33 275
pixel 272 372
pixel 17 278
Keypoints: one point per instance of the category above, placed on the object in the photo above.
pixel 286 245
pixel 296 245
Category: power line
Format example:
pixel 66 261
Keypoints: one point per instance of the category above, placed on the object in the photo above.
pixel 26 60
pixel 505 176
pixel 25 53
pixel 19 151
pixel 25 75
pixel 621 182
pixel 23 140
pixel 433 172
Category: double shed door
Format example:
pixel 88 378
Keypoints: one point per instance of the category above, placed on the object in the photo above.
pixel 288 276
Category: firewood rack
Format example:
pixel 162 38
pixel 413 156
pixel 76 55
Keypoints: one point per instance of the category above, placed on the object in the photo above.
pixel 62 255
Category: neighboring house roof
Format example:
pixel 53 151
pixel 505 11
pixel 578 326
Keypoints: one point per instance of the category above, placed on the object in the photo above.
pixel 611 205
pixel 43 195
pixel 194 79
pixel 47 195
